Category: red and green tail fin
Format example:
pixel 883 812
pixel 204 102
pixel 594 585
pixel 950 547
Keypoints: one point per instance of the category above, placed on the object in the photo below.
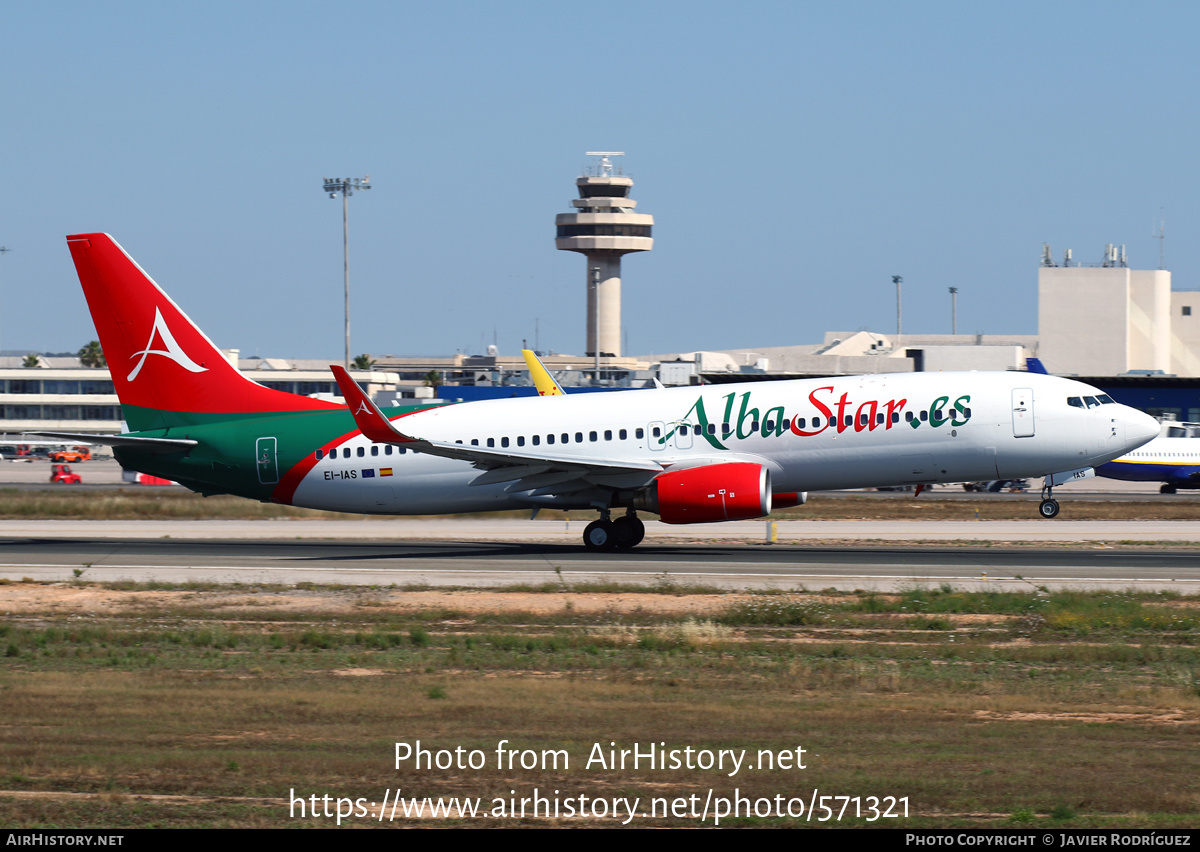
pixel 166 372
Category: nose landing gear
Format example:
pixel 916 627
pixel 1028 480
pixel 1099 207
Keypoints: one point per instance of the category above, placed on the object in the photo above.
pixel 622 534
pixel 1048 508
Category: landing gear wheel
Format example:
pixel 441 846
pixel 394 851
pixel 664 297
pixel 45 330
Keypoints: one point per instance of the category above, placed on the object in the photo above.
pixel 1166 489
pixel 628 532
pixel 1048 509
pixel 599 535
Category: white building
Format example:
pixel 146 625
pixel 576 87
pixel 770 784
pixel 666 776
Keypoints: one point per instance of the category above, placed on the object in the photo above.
pixel 1106 319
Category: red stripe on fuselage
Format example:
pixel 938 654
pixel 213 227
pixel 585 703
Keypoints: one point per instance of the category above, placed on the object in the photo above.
pixel 286 489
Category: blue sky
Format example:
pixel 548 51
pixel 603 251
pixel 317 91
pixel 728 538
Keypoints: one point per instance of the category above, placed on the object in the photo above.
pixel 795 157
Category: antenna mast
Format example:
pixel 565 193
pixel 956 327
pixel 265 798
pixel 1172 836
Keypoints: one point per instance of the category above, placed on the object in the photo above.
pixel 1161 236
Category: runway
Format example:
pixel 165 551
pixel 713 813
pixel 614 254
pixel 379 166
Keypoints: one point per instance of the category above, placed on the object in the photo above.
pixel 105 474
pixel 492 553
pixel 486 552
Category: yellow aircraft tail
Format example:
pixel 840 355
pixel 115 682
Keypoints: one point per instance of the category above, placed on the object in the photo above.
pixel 545 383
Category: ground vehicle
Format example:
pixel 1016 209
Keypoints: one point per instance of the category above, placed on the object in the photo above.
pixel 63 475
pixel 996 485
pixel 25 452
pixel 72 455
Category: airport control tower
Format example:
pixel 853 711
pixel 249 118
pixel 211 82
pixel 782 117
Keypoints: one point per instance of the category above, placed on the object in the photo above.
pixel 604 228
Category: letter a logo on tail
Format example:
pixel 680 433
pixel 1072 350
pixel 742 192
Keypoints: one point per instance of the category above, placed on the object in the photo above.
pixel 172 350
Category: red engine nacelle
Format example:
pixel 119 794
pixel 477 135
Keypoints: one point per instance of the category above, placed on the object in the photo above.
pixel 735 491
pixel 788 499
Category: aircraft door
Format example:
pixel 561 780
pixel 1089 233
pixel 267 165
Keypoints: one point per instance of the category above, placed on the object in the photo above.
pixel 1022 412
pixel 265 459
pixel 656 435
pixel 683 435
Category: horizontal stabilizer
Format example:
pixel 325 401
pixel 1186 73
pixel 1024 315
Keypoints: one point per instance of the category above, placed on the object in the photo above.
pixel 150 445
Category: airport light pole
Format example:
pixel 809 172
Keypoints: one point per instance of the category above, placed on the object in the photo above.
pixel 4 250
pixel 954 310
pixel 346 187
pixel 897 280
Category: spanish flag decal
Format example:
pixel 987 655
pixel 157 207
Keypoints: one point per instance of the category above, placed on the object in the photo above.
pixel 385 471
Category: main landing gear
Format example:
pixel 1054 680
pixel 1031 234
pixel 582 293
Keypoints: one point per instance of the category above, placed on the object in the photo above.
pixel 1048 508
pixel 623 533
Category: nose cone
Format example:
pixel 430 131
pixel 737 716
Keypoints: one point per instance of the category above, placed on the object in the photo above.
pixel 1140 428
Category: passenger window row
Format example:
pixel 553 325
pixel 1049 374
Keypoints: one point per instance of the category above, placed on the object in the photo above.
pixel 560 438
pixel 592 436
pixel 361 452
pixel 504 443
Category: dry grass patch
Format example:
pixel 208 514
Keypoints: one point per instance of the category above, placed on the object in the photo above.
pixel 195 712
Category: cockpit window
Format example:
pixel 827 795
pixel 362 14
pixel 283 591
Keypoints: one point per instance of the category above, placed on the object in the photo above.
pixel 1105 399
pixel 1075 401
pixel 1092 402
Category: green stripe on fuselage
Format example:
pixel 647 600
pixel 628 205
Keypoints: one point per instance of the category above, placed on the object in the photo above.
pixel 225 459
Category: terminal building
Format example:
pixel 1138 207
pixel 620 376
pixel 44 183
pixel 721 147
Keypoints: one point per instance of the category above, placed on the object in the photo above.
pixel 58 394
pixel 1121 329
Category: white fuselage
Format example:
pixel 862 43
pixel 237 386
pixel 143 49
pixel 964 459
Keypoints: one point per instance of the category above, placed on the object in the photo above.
pixel 887 429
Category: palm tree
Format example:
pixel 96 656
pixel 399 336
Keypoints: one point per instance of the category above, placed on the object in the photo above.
pixel 362 362
pixel 92 355
pixel 31 361
pixel 433 379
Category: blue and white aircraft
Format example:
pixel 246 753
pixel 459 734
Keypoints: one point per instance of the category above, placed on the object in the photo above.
pixel 1173 458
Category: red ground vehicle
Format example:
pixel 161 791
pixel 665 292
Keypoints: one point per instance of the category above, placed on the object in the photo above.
pixel 61 473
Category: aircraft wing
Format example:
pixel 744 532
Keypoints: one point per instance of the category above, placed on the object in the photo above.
pixel 527 471
pixel 152 445
pixel 544 382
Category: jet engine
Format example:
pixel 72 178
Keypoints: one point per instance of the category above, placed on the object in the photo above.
pixel 788 499
pixel 735 491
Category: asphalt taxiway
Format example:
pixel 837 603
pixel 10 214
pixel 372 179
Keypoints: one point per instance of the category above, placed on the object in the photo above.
pixel 489 553
pixel 815 554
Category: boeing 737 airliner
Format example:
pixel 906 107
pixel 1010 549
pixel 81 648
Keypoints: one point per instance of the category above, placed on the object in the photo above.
pixel 690 455
pixel 1172 458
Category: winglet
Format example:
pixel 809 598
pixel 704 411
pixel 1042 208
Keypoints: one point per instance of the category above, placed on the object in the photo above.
pixel 367 416
pixel 545 383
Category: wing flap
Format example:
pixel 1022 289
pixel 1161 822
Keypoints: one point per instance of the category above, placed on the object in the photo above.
pixel 505 474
